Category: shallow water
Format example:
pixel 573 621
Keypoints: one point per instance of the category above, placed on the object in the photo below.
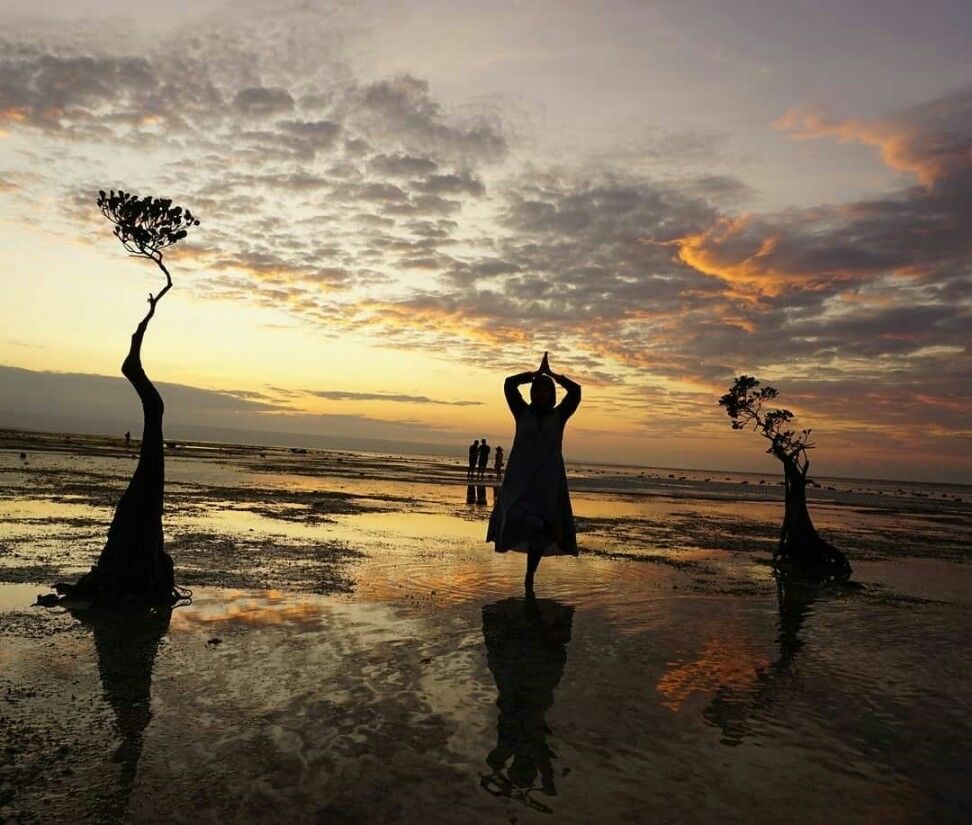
pixel 661 677
pixel 689 708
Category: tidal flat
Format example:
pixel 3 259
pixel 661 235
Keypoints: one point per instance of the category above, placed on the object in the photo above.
pixel 354 652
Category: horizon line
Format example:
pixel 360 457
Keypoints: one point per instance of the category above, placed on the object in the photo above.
pixel 408 452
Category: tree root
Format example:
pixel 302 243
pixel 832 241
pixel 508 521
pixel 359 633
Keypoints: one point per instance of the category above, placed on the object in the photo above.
pixel 815 560
pixel 95 588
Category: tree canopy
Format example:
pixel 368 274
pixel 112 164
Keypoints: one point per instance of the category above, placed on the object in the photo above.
pixel 744 404
pixel 145 225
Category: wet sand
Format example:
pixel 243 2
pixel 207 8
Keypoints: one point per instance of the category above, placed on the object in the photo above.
pixel 354 652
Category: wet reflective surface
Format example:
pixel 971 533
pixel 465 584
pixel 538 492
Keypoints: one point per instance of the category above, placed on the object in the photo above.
pixel 698 707
pixel 662 676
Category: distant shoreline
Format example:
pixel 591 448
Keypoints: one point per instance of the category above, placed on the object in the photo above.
pixel 10 434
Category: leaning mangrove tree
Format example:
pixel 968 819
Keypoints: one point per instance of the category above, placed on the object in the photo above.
pixel 133 565
pixel 801 549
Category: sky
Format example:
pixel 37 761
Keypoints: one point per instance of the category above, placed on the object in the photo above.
pixel 403 202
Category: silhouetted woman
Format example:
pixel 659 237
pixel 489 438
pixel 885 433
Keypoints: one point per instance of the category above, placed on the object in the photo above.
pixel 533 513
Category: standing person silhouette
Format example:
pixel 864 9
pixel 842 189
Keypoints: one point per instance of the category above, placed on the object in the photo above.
pixel 498 466
pixel 473 458
pixel 484 449
pixel 533 513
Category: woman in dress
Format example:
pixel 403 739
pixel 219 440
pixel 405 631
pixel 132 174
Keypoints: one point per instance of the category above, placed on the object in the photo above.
pixel 533 514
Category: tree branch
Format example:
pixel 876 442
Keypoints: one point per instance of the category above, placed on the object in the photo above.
pixel 154 299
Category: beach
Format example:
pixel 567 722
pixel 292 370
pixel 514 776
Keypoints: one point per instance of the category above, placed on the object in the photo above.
pixel 354 651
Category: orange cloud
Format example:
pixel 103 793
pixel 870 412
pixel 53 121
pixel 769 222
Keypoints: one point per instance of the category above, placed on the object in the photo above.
pixel 14 113
pixel 744 255
pixel 437 319
pixel 903 145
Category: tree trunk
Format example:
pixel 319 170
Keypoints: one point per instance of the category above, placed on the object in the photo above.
pixel 133 565
pixel 801 550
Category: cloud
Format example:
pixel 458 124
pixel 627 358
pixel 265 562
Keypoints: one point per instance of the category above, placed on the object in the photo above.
pixel 345 395
pixel 402 165
pixel 265 155
pixel 452 184
pixel 318 134
pixel 930 141
pixel 366 206
pixel 403 107
pixel 261 101
pixel 80 402
pixel 916 232
pixel 90 96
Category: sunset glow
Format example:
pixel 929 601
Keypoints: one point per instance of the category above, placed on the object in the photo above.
pixel 402 203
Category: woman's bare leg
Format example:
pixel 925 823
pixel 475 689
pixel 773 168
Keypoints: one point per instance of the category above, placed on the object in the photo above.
pixel 534 554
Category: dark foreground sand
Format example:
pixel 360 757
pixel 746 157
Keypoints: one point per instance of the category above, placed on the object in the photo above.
pixel 355 653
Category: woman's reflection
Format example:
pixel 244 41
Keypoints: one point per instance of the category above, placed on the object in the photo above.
pixel 526 650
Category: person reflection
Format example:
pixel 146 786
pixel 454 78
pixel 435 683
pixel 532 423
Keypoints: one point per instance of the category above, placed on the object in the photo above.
pixel 476 494
pixel 732 712
pixel 126 643
pixel 526 650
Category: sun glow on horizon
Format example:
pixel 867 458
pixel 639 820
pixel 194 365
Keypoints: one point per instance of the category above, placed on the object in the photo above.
pixel 392 223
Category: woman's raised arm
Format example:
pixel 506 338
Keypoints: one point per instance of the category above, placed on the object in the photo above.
pixel 513 398
pixel 572 398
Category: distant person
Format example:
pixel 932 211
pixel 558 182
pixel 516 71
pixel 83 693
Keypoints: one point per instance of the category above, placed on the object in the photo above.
pixel 128 439
pixel 484 450
pixel 533 515
pixel 498 465
pixel 473 457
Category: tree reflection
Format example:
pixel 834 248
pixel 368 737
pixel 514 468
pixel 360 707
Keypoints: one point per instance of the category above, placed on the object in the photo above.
pixel 126 642
pixel 730 711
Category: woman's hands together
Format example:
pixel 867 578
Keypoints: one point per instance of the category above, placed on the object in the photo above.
pixel 545 370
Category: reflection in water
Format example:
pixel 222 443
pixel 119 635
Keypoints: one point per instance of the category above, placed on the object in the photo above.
pixel 127 642
pixel 526 649
pixel 476 494
pixel 730 711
